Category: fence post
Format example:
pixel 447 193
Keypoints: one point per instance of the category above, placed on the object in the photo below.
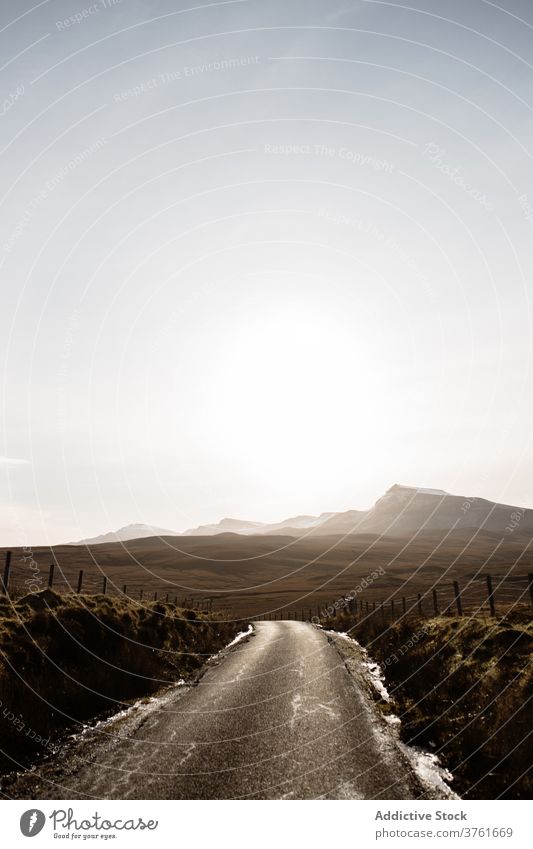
pixel 141 594
pixel 435 603
pixel 419 604
pixel 124 589
pixel 7 570
pixel 51 576
pixel 167 596
pixel 80 581
pixel 457 593
pixel 104 585
pixel 530 586
pixel 490 593
pixel 155 596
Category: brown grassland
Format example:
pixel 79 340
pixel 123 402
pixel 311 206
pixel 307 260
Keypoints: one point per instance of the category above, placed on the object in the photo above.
pixel 251 576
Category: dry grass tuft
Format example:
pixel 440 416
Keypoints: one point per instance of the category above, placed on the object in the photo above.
pixel 463 689
pixel 66 659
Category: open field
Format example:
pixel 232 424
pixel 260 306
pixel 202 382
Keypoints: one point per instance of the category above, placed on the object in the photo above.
pixel 269 576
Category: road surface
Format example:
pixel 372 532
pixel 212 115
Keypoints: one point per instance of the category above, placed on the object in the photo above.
pixel 278 716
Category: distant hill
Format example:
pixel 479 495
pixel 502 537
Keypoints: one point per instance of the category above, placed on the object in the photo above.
pixel 343 523
pixel 406 510
pixel 293 526
pixel 136 531
pixel 238 526
pixel 402 511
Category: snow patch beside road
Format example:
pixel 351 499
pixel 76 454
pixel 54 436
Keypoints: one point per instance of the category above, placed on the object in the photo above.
pixel 426 765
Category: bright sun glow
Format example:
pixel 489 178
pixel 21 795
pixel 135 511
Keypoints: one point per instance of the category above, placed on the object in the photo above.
pixel 287 384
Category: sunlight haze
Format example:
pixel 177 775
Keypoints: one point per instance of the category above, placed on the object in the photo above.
pixel 262 259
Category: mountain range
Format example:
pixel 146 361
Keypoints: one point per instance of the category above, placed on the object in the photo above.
pixel 402 511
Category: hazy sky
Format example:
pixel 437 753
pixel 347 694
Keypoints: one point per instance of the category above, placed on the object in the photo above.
pixel 261 258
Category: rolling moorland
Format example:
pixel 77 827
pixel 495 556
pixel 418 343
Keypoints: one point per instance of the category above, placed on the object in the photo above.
pixel 252 576
pixel 420 539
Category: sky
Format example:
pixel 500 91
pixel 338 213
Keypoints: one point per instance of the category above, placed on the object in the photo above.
pixel 260 259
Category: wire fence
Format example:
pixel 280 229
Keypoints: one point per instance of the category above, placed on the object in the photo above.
pixel 15 584
pixel 492 595
pixel 487 593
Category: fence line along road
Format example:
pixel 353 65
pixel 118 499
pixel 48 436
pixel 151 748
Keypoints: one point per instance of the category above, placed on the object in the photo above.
pixel 16 586
pixel 494 593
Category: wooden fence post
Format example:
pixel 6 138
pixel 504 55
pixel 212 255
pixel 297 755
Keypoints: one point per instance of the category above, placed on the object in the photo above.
pixel 435 603
pixel 141 594
pixel 104 585
pixel 457 593
pixel 490 593
pixel 80 581
pixel 124 589
pixel 155 596
pixel 51 576
pixel 7 570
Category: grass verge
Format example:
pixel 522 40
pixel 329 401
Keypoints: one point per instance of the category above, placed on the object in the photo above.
pixel 65 659
pixel 462 688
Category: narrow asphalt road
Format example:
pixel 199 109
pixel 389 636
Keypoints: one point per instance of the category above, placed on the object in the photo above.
pixel 279 716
